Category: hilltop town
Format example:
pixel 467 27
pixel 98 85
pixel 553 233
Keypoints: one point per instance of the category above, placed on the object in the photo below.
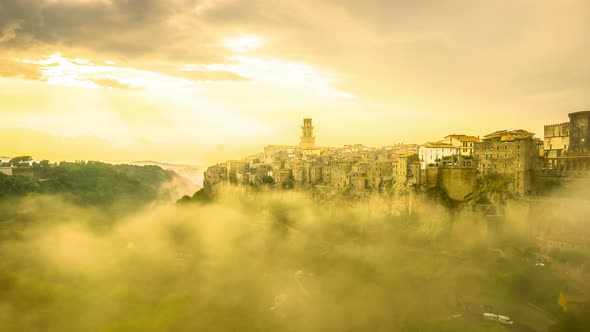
pixel 452 164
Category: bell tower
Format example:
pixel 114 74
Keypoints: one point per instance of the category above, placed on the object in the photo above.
pixel 307 138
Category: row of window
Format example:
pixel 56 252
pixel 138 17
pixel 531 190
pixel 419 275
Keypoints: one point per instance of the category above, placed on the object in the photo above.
pixel 491 155
pixel 497 147
pixel 495 165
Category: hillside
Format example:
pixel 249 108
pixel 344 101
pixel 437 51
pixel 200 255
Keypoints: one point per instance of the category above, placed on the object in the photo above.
pixel 92 183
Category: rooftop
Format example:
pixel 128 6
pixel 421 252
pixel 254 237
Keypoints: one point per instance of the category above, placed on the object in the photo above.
pixel 464 138
pixel 509 135
pixel 438 145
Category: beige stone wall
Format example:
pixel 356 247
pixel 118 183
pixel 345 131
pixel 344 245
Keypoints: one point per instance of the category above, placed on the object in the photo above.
pixel 556 139
pixel 517 158
pixel 457 182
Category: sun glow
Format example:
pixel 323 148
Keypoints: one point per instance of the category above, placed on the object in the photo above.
pixel 59 70
pixel 244 43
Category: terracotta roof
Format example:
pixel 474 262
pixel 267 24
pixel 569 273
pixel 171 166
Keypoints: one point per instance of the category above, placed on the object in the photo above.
pixel 438 145
pixel 509 135
pixel 464 138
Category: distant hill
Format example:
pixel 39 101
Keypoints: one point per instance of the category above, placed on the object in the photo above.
pixel 192 173
pixel 161 164
pixel 95 183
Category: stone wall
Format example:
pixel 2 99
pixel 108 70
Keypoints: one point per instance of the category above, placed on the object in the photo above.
pixel 457 182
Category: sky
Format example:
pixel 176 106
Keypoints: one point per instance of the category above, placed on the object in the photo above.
pixel 200 81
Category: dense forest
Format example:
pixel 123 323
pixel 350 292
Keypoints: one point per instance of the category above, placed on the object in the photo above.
pixel 90 183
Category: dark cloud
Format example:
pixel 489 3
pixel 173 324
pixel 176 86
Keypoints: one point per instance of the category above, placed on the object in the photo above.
pixel 389 50
pixel 125 27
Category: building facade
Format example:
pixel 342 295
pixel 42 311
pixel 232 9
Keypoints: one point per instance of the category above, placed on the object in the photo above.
pixel 567 150
pixel 464 143
pixel 307 137
pixel 433 153
pixel 580 133
pixel 513 152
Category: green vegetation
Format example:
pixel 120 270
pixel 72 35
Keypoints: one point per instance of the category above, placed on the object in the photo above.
pixel 440 196
pixel 201 196
pixel 17 185
pixel 250 261
pixel 20 161
pixel 267 179
pixel 260 262
pixel 492 185
pixel 90 183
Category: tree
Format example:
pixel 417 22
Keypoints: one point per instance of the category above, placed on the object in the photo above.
pixel 493 185
pixel 267 179
pixel 201 196
pixel 16 185
pixel 20 161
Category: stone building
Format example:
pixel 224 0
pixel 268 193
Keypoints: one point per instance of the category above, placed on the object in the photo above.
pixel 567 150
pixel 273 153
pixel 513 152
pixel 556 139
pixel 432 153
pixel 215 174
pixel 357 167
pixel 307 138
pixel 464 143
pixel 580 133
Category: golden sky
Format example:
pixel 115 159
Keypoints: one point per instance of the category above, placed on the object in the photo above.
pixel 196 81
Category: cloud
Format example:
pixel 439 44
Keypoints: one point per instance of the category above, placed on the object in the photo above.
pixel 383 49
pixel 58 69
pixel 459 60
pixel 13 68
pixel 9 31
pixel 124 27
pixel 111 83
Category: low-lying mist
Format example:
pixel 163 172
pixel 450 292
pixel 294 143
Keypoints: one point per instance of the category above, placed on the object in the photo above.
pixel 262 262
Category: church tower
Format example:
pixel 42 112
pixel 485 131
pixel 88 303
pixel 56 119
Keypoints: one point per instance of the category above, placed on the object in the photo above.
pixel 307 138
